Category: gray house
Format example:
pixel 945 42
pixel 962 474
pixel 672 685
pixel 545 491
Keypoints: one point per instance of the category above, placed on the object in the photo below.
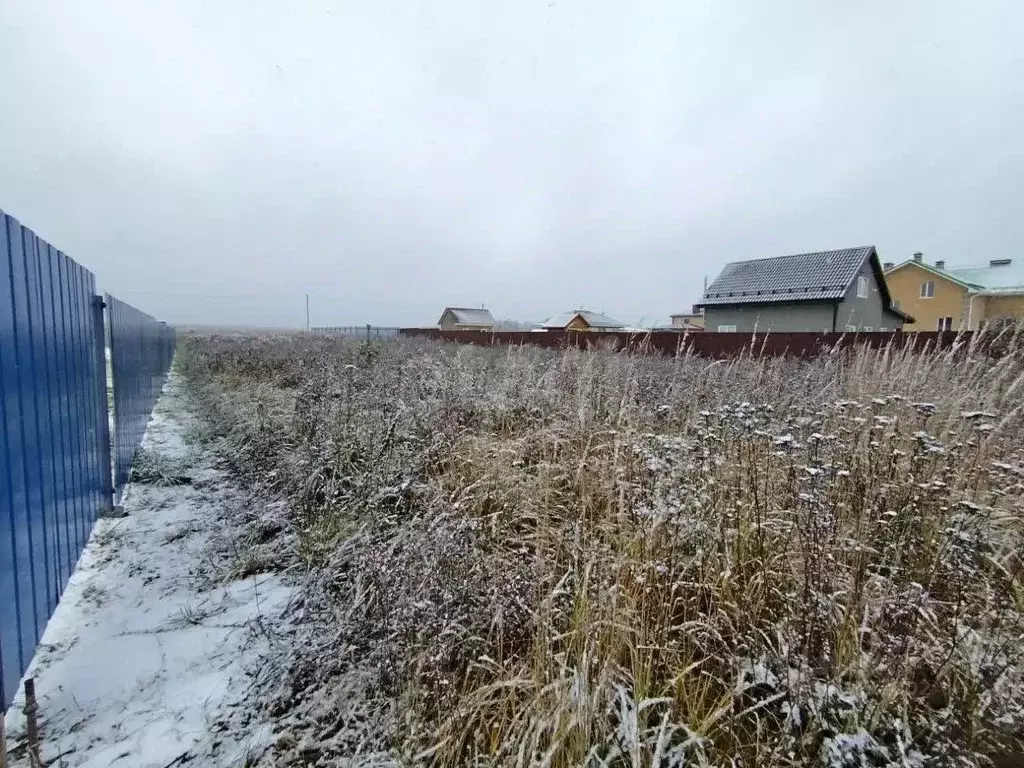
pixel 841 290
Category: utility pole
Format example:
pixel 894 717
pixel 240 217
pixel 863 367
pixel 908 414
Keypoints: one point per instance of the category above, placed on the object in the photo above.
pixel 307 312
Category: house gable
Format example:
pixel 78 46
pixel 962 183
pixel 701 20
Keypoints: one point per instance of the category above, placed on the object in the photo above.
pixel 577 323
pixel 929 270
pixel 947 299
pixel 867 305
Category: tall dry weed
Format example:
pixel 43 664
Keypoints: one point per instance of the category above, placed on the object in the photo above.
pixel 521 557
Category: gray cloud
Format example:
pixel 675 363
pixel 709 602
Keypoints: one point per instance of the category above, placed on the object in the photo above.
pixel 214 162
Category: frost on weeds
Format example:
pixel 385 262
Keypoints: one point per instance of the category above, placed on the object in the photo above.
pixel 528 557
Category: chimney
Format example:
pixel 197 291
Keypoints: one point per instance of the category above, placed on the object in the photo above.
pixel 940 264
pixel 888 265
pixel 918 256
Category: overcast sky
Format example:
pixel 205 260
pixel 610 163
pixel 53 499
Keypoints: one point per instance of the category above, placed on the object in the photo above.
pixel 214 161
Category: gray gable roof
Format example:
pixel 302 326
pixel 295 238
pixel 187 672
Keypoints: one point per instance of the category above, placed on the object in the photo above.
pixel 821 276
pixel 470 316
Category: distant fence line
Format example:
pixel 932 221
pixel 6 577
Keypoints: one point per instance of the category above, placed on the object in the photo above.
pixel 701 343
pixel 55 452
pixel 365 331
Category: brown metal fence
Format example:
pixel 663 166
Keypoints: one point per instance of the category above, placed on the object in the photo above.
pixel 713 345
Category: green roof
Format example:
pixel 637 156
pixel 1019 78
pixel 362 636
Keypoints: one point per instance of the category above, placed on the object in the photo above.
pixel 1002 277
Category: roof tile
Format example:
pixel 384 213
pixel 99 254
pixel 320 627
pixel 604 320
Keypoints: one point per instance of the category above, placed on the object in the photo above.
pixel 825 275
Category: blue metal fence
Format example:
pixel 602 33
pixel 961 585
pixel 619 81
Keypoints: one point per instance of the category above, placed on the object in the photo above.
pixel 141 350
pixel 54 470
pixel 55 447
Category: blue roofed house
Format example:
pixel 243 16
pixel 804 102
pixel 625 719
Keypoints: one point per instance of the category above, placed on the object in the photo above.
pixel 947 298
pixel 825 291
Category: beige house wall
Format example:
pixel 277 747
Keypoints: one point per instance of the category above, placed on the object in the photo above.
pixel 1002 307
pixel 949 300
pixel 680 321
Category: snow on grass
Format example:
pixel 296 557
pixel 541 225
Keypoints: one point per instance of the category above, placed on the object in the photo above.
pixel 149 656
pixel 519 557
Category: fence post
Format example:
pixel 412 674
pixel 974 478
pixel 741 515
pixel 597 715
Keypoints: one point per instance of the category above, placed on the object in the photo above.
pixel 115 443
pixel 368 326
pixel 105 452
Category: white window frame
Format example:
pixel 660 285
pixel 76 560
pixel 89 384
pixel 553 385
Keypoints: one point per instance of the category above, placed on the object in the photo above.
pixel 727 329
pixel 928 289
pixel 869 328
pixel 943 325
pixel 851 329
pixel 862 287
pixel 883 329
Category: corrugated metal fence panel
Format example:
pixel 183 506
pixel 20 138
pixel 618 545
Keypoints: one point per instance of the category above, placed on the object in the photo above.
pixel 54 470
pixel 141 350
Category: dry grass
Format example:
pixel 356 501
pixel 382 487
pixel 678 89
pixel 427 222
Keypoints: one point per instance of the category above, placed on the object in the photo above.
pixel 518 557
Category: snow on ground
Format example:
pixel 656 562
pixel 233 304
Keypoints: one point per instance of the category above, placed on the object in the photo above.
pixel 151 652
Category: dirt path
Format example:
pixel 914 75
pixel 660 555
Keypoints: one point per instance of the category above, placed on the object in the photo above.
pixel 149 657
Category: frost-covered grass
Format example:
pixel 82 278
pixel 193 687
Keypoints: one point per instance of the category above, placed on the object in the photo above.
pixel 521 557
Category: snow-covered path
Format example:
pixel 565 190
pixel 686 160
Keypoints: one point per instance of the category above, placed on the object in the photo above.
pixel 148 658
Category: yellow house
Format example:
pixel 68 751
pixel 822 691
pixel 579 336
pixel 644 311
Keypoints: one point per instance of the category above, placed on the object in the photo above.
pixel 960 298
pixel 691 320
pixel 582 320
